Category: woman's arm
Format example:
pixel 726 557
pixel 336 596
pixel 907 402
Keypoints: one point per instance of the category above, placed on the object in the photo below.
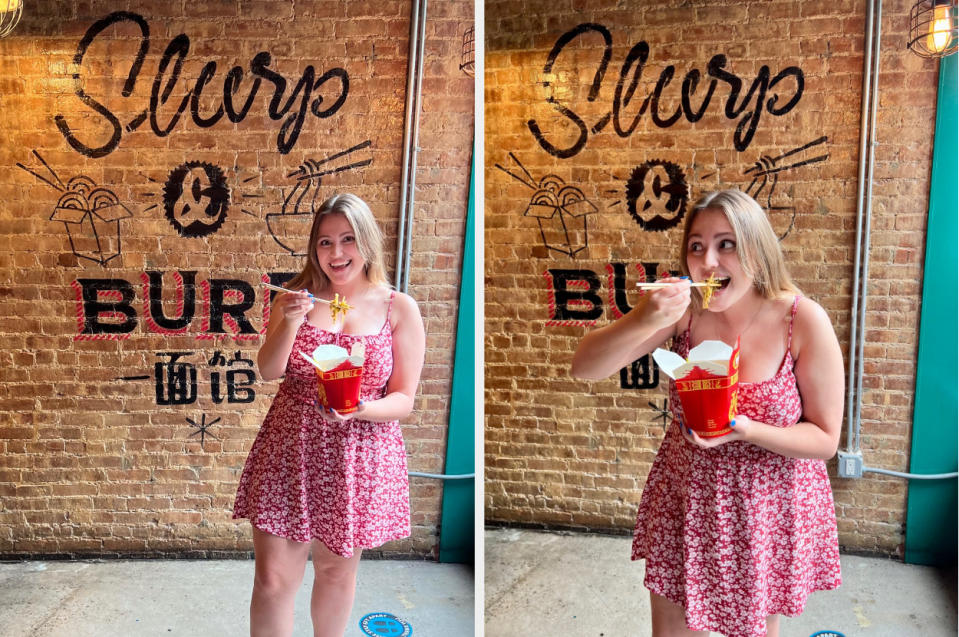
pixel 640 331
pixel 821 380
pixel 288 311
pixel 409 350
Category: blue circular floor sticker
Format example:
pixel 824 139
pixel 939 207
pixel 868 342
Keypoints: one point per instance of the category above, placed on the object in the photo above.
pixel 385 625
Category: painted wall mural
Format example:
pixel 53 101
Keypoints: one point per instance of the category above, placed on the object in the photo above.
pixel 175 380
pixel 328 90
pixel 292 223
pixel 560 211
pixel 194 197
pixel 656 193
pixel 105 306
pixel 90 214
pixel 769 166
pixel 748 107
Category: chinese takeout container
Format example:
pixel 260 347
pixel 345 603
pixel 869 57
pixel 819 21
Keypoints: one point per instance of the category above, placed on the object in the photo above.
pixel 338 375
pixel 708 385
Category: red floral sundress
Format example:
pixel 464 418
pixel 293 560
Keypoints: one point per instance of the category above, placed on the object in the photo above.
pixel 737 533
pixel 344 484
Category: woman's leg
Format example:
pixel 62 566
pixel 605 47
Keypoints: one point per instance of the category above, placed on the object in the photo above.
pixel 334 584
pixel 279 565
pixel 772 626
pixel 669 619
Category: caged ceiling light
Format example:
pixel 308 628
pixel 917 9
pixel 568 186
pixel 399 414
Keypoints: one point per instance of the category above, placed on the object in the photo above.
pixel 932 28
pixel 10 11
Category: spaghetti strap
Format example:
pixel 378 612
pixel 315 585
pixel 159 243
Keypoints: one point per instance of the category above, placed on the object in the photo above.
pixel 389 309
pixel 792 319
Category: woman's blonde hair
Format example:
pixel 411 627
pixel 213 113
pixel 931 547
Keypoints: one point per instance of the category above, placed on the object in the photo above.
pixel 757 246
pixel 369 242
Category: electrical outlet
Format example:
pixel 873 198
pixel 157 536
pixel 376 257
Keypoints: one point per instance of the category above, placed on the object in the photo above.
pixel 850 464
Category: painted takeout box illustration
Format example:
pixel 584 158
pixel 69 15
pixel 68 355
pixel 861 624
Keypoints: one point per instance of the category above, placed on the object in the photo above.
pixel 92 217
pixel 561 213
pixel 707 383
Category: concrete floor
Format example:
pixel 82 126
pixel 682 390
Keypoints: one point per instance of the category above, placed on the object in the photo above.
pixel 586 586
pixel 535 583
pixel 123 598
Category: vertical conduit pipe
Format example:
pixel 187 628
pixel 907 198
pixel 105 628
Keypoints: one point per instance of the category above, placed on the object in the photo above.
pixel 407 133
pixel 857 315
pixel 877 46
pixel 410 139
pixel 857 337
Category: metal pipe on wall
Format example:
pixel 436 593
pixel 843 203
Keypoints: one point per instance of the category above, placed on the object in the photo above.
pixel 411 134
pixel 865 157
pixel 877 39
pixel 411 129
pixel 857 336
pixel 441 476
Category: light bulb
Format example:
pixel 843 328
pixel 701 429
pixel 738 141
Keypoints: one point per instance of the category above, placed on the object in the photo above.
pixel 939 28
pixel 9 6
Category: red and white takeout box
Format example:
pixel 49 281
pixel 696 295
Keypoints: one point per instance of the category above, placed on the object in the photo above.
pixel 708 385
pixel 338 375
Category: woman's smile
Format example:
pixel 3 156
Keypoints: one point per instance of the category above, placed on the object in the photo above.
pixel 337 251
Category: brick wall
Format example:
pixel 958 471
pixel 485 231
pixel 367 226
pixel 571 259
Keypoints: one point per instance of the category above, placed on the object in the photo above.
pixel 572 454
pixel 122 429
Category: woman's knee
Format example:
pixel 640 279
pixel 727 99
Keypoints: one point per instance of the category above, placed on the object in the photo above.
pixel 330 567
pixel 274 580
pixel 279 564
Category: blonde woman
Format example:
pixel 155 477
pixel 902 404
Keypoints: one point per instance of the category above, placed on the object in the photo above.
pixel 738 529
pixel 317 481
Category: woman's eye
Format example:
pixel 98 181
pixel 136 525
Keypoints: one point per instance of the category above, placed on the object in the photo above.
pixel 696 247
pixel 348 239
pixel 727 244
pixel 323 243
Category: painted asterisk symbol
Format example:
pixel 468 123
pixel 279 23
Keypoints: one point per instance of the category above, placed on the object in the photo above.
pixel 663 412
pixel 203 428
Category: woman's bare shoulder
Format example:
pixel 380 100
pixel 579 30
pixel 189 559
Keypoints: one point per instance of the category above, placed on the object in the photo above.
pixel 811 322
pixel 404 307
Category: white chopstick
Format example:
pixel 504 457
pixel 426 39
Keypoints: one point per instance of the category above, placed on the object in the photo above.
pixel 311 359
pixel 658 286
pixel 279 289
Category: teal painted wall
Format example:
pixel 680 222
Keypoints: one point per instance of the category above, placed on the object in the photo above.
pixel 457 519
pixel 931 505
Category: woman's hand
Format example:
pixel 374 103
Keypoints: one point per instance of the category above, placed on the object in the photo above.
pixel 287 312
pixel 294 306
pixel 740 430
pixel 332 415
pixel 665 306
pixel 640 331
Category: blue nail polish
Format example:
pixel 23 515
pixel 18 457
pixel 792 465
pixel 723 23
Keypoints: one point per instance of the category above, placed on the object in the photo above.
pixel 684 277
pixel 732 423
